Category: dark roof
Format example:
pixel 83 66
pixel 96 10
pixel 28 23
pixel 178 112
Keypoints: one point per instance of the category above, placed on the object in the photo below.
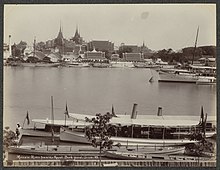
pixel 38 54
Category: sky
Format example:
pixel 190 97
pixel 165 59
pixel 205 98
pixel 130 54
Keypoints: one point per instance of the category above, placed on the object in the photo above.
pixel 159 26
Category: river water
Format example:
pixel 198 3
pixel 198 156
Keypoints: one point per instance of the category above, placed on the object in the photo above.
pixel 95 90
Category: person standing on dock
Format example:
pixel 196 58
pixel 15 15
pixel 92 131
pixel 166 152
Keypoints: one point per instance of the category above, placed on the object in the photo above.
pixel 17 131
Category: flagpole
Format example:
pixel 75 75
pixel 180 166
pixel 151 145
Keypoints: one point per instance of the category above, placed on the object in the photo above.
pixel 23 122
pixel 52 119
pixel 65 119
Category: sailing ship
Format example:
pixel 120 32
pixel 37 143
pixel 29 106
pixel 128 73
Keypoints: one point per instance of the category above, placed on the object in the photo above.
pixel 195 74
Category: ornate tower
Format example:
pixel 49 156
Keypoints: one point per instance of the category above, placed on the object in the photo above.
pixel 77 39
pixel 59 41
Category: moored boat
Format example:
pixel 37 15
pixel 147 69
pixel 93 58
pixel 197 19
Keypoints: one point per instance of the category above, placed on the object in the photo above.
pixel 143 156
pixel 78 64
pixel 121 64
pixel 178 76
pixel 206 81
pixel 52 150
pixel 101 65
pixel 79 137
pixel 147 130
pixel 39 64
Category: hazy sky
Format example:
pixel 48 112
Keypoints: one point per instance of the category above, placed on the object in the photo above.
pixel 159 26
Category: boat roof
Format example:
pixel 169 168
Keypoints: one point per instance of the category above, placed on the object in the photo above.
pixel 150 120
pixel 55 122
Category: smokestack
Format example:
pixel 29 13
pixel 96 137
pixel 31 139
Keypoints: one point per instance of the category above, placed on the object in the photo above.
pixel 134 111
pixel 159 113
pixel 9 44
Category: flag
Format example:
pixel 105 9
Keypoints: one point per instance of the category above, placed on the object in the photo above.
pixel 27 117
pixel 113 112
pixel 202 115
pixel 204 124
pixel 52 134
pixel 66 111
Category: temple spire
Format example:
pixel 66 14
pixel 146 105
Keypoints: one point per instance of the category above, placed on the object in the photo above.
pixel 60 34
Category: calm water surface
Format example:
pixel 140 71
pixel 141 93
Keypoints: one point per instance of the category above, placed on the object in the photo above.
pixel 94 90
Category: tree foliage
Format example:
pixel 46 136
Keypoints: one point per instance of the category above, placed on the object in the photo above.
pixel 100 132
pixel 9 138
pixel 203 144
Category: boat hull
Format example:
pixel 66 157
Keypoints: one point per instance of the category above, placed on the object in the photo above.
pixel 37 133
pixel 39 64
pixel 51 151
pixel 140 156
pixel 77 137
pixel 177 78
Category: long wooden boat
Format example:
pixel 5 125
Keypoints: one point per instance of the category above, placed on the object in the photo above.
pixel 39 64
pixel 52 150
pixel 142 156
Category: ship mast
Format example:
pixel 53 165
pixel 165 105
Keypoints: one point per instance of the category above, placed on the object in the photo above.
pixel 34 46
pixel 195 45
pixel 52 119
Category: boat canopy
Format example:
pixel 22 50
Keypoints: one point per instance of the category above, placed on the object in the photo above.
pixel 155 122
pixel 147 120
pixel 55 122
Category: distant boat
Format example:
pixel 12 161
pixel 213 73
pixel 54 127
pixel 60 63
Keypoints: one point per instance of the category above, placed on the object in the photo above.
pixel 178 76
pixel 121 64
pixel 196 74
pixel 39 64
pixel 206 81
pixel 145 65
pixel 101 65
pixel 78 64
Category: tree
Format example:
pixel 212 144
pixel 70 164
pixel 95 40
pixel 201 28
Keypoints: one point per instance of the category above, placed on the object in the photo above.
pixel 100 132
pixel 203 144
pixel 9 138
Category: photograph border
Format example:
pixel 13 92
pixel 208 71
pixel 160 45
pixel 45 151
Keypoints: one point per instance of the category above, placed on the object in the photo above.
pixel 43 2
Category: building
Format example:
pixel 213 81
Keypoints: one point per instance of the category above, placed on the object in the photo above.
pixel 129 48
pixel 49 44
pixel 147 53
pixel 94 55
pixel 134 57
pixel 101 45
pixel 35 56
pixel 208 60
pixel 115 57
pixel 54 57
